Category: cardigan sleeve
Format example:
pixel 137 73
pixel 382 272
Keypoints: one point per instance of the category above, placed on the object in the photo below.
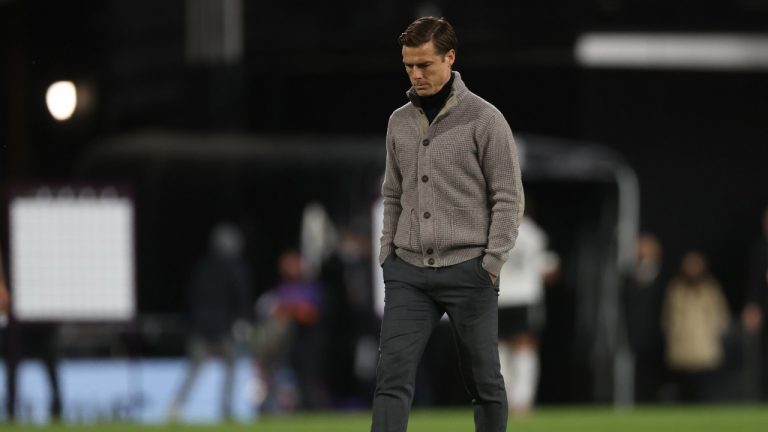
pixel 391 191
pixel 501 169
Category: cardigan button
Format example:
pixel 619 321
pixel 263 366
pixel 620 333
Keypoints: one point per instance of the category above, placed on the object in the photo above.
pixel 425 142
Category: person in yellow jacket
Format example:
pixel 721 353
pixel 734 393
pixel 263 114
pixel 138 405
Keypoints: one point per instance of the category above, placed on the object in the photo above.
pixel 695 317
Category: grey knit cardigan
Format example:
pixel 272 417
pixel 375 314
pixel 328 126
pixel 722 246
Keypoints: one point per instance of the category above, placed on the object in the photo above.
pixel 452 189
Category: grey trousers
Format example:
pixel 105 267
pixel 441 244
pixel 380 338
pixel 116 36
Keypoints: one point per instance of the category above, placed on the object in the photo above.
pixel 199 349
pixel 415 300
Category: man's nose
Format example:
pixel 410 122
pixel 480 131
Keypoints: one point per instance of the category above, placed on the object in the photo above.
pixel 417 73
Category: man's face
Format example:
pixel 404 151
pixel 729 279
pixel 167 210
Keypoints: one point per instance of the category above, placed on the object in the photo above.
pixel 427 70
pixel 694 265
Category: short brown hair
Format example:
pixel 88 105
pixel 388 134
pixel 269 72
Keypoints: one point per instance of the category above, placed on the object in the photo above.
pixel 423 30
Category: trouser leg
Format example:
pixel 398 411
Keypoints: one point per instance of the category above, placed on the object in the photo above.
pixel 507 367
pixel 49 360
pixel 229 357
pixel 45 339
pixel 410 316
pixel 11 367
pixel 471 301
pixel 197 353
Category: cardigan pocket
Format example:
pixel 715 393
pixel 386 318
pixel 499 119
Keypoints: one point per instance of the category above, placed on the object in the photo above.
pixel 415 236
pixel 403 231
pixel 469 227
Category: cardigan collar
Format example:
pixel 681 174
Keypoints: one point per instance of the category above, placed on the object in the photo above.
pixel 458 90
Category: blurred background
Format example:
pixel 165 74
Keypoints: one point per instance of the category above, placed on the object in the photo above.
pixel 203 180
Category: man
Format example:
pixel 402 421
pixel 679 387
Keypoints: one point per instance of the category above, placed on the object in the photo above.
pixel 453 201
pixel 290 336
pixel 31 339
pixel 4 308
pixel 4 298
pixel 219 300
pixel 642 295
pixel 694 318
pixel 754 312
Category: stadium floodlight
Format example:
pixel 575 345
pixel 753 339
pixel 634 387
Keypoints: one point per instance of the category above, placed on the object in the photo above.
pixel 692 51
pixel 61 99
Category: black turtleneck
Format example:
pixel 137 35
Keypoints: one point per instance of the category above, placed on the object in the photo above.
pixel 433 104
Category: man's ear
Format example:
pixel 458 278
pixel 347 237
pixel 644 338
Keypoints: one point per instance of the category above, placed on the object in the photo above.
pixel 450 56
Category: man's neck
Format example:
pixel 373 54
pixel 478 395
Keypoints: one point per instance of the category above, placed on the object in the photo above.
pixel 438 99
pixel 446 87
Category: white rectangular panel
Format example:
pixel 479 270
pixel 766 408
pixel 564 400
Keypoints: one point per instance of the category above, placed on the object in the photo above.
pixel 72 258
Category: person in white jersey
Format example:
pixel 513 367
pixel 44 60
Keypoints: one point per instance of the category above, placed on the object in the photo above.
pixel 522 314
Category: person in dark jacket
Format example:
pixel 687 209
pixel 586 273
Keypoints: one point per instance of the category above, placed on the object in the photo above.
pixel 219 301
pixel 18 340
pixel 753 315
pixel 642 299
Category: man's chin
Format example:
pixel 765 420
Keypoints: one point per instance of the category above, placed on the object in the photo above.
pixel 426 91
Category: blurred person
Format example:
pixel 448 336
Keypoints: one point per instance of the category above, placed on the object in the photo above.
pixel 5 301
pixel 522 313
pixel 642 297
pixel 753 314
pixel 694 318
pixel 318 238
pixel 453 200
pixel 5 304
pixel 29 339
pixel 287 341
pixel 346 276
pixel 219 305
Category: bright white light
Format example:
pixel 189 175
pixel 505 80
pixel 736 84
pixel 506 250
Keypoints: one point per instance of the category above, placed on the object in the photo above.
pixel 673 51
pixel 72 257
pixel 61 99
